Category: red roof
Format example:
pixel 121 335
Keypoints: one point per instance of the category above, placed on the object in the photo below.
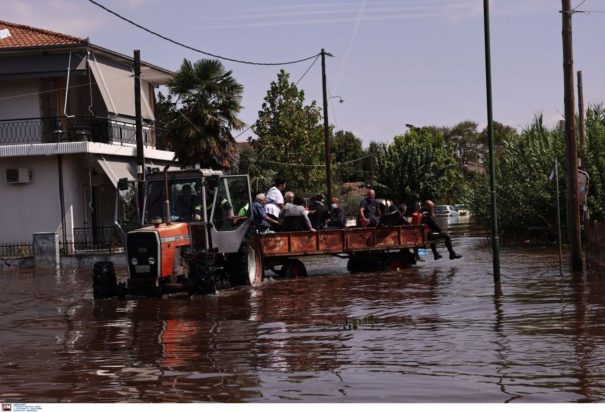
pixel 26 36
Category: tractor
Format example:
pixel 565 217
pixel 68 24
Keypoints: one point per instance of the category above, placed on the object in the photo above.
pixel 183 231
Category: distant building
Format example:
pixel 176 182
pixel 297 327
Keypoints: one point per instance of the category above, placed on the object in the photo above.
pixel 67 132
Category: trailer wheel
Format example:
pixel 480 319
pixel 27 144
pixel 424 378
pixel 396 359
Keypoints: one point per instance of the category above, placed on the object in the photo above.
pixel 362 263
pixel 104 283
pixel 294 268
pixel 395 262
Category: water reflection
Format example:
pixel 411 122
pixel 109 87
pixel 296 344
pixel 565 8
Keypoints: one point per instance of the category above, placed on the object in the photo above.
pixel 440 332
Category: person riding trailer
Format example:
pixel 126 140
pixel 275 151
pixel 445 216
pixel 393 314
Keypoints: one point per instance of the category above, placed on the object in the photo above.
pixel 428 218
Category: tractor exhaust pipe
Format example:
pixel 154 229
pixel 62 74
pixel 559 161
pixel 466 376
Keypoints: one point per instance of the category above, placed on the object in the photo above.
pixel 166 197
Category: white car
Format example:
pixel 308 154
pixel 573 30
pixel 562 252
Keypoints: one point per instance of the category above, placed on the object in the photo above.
pixel 446 211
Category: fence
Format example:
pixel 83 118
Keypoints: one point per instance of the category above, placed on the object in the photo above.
pixel 91 240
pixel 18 249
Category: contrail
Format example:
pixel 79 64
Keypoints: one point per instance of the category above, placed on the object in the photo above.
pixel 350 46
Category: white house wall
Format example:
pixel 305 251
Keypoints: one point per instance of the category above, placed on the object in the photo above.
pixel 19 99
pixel 35 207
pixel 31 207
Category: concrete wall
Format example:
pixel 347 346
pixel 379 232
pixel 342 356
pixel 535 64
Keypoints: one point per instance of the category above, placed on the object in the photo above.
pixel 31 207
pixel 35 207
pixel 19 99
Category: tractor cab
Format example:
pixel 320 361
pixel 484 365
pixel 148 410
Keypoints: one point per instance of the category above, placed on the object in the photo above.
pixel 184 221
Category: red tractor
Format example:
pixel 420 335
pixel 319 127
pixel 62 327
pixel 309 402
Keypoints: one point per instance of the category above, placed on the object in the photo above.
pixel 187 232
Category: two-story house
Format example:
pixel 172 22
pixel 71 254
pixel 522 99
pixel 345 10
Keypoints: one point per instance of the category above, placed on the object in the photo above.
pixel 67 132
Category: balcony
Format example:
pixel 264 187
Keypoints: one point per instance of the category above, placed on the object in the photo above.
pixel 73 129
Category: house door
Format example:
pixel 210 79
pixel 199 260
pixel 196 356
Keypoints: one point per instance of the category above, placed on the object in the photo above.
pixel 49 110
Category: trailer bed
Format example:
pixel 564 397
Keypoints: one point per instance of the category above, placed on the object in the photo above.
pixel 342 241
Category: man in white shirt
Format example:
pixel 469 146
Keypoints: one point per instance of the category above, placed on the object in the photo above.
pixel 275 199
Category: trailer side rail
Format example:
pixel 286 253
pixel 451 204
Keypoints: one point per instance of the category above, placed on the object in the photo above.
pixel 334 241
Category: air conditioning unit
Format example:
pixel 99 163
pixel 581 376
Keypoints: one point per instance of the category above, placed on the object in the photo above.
pixel 19 175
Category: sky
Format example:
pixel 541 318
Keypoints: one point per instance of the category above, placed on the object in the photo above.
pixel 395 62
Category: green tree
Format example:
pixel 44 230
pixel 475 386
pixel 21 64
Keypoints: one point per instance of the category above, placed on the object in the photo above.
pixel 200 120
pixel 526 202
pixel 594 155
pixel 290 137
pixel 416 166
pixel 346 149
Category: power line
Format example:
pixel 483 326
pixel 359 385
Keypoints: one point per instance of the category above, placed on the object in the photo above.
pixel 299 80
pixel 307 71
pixel 178 43
pixel 301 164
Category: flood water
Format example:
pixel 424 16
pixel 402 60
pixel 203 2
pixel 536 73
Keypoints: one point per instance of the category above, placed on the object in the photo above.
pixel 439 332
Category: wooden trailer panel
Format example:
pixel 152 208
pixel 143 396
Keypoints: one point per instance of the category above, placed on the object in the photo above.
pixel 341 240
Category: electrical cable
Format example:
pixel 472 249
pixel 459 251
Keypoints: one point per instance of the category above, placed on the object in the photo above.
pixel 178 43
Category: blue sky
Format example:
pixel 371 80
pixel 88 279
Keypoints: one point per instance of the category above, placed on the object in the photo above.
pixel 395 61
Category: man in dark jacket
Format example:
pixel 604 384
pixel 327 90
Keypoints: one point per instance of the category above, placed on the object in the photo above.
pixel 428 218
pixel 369 213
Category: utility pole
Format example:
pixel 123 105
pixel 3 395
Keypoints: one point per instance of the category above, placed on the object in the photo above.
pixel 139 132
pixel 326 127
pixel 581 125
pixel 490 140
pixel 138 116
pixel 573 207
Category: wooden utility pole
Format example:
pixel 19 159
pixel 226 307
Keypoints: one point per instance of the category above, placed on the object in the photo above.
pixel 138 116
pixel 581 126
pixel 326 127
pixel 573 206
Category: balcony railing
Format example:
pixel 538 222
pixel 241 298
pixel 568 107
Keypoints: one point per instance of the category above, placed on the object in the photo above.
pixel 73 129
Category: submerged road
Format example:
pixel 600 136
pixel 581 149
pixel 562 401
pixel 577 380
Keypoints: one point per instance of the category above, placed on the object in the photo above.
pixel 439 332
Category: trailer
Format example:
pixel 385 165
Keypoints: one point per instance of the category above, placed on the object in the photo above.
pixel 387 248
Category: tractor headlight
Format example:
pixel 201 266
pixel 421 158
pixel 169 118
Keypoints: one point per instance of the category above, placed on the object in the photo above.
pixel 151 260
pixel 134 261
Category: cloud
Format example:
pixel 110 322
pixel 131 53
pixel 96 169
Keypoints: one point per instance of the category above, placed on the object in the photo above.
pixel 68 17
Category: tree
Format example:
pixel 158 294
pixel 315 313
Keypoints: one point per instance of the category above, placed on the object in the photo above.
pixel 594 156
pixel 417 166
pixel 525 196
pixel 199 126
pixel 346 149
pixel 290 137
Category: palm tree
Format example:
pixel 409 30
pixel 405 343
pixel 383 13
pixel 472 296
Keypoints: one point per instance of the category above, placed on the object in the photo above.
pixel 209 100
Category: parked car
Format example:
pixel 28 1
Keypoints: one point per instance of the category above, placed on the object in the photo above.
pixel 462 209
pixel 445 211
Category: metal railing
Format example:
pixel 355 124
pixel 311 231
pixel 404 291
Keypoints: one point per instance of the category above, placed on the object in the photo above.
pixel 73 129
pixel 17 249
pixel 93 239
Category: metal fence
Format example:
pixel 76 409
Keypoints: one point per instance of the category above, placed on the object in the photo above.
pixel 16 249
pixel 93 239
pixel 86 240
pixel 73 129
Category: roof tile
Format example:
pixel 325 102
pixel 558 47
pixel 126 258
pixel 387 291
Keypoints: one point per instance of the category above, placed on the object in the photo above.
pixel 26 36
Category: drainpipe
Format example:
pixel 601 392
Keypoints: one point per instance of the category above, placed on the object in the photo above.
pixel 62 198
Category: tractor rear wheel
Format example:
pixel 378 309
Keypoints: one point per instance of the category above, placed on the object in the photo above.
pixel 245 268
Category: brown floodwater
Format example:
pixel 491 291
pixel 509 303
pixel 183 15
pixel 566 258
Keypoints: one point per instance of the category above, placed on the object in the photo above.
pixel 439 332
